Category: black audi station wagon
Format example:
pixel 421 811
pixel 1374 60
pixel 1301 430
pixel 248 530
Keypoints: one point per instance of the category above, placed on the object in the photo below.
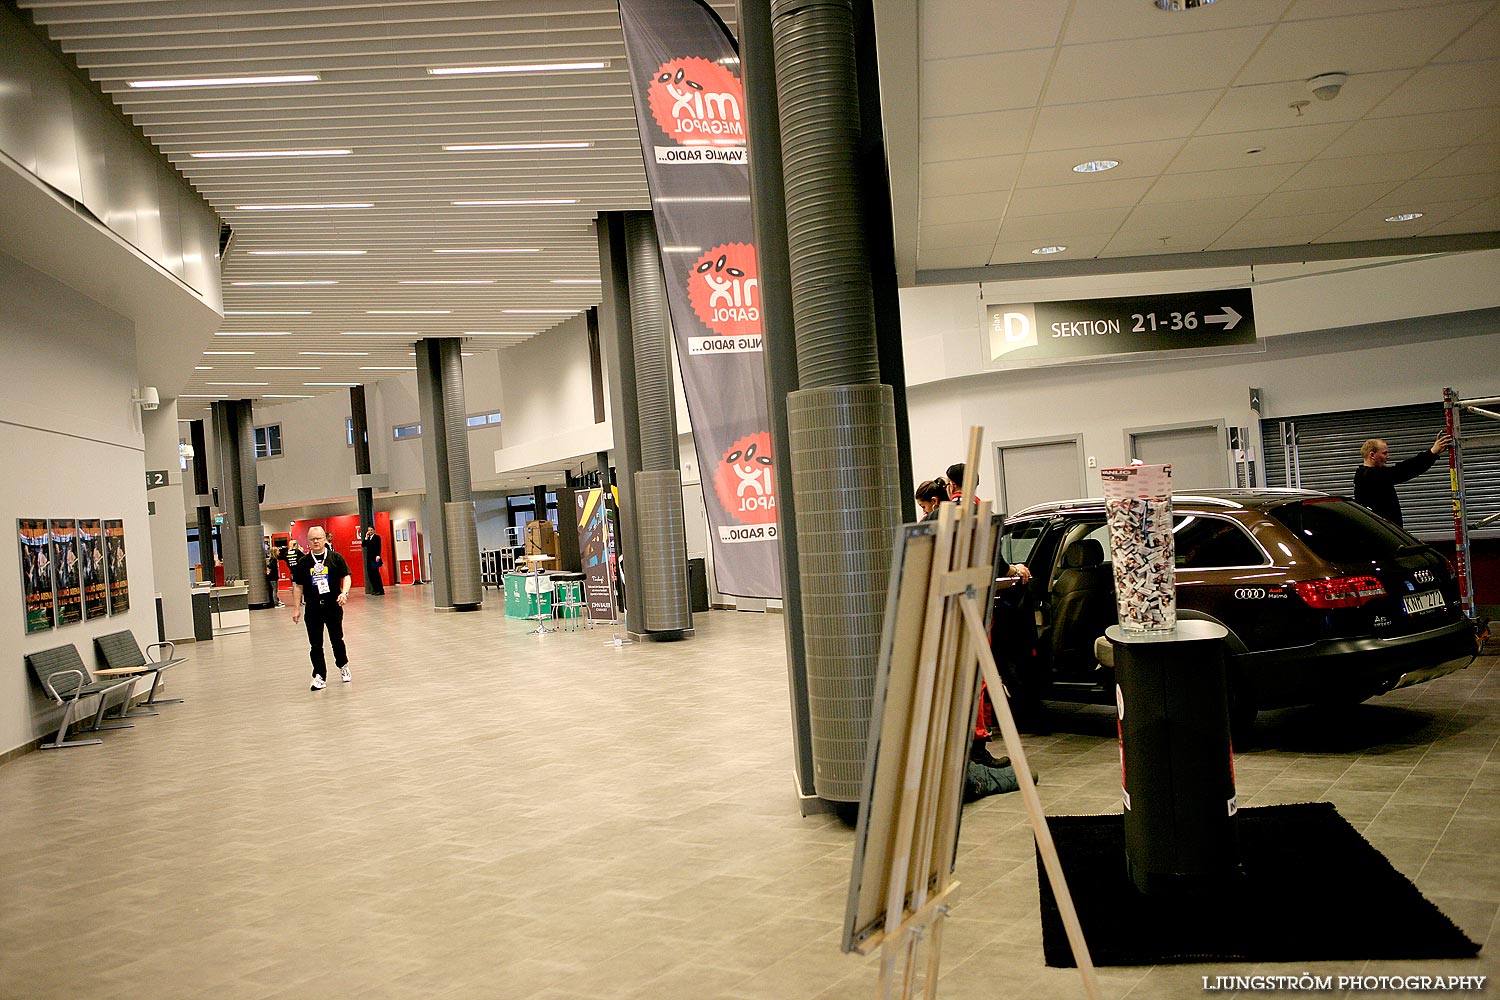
pixel 1324 600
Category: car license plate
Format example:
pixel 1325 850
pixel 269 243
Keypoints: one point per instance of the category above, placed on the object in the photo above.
pixel 1427 600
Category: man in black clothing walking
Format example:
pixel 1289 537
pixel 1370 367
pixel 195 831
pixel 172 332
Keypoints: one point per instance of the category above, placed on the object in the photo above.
pixel 373 562
pixel 1375 482
pixel 321 578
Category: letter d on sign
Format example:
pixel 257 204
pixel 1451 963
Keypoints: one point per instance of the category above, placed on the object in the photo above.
pixel 1010 329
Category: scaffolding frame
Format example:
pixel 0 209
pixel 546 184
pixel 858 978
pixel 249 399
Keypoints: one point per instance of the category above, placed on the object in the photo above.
pixel 1454 408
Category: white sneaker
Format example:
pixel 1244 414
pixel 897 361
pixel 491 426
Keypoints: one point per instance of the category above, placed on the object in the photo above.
pixel 344 673
pixel 318 683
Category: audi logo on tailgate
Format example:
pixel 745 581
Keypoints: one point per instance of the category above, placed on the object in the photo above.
pixel 1250 593
pixel 1423 576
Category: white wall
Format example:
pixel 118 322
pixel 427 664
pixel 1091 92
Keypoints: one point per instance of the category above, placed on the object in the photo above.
pixel 73 447
pixel 1305 369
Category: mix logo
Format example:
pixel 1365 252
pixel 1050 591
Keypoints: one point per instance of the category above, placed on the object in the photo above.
pixel 745 481
pixel 724 288
pixel 698 103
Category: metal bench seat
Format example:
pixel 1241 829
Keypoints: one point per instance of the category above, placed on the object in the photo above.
pixel 66 681
pixel 119 651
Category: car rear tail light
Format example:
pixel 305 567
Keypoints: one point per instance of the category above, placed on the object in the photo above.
pixel 1339 592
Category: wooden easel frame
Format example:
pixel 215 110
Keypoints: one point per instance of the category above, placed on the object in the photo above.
pixel 902 885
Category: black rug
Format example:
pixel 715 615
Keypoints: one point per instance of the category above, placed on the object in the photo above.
pixel 1312 889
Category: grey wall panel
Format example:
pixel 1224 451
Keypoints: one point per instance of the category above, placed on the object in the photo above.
pixel 52 118
pixel 17 108
pixel 91 129
pixel 122 187
pixel 169 199
pixel 200 246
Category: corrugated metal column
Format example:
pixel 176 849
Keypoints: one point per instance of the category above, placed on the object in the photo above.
pixel 203 500
pixel 658 483
pixel 619 356
pixel 780 351
pixel 251 534
pixel 227 447
pixel 841 421
pixel 448 507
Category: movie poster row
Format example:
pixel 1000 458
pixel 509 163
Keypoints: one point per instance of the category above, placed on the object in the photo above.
pixel 72 569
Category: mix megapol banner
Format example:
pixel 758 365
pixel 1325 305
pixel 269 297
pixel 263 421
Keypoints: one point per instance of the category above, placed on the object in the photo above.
pixel 689 106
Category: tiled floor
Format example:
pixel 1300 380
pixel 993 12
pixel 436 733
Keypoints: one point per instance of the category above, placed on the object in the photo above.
pixel 487 814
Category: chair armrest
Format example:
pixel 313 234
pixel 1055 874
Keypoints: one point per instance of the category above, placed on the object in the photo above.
pixel 52 689
pixel 171 648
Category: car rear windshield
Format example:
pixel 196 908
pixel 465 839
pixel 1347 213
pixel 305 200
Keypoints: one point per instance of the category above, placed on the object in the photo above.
pixel 1340 531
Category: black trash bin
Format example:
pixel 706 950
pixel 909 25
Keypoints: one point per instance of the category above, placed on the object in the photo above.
pixel 1176 761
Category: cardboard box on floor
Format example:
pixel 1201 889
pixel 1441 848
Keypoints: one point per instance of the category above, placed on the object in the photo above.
pixel 541 539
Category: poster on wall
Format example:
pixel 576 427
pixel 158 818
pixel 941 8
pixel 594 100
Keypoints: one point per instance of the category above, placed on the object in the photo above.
pixel 114 560
pixel 36 573
pixel 689 106
pixel 91 558
pixel 67 586
pixel 595 550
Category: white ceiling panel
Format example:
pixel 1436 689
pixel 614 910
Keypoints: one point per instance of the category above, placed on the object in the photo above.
pixel 972 27
pixel 1481 41
pixel 943 257
pixel 976 84
pixel 1352 170
pixel 1183 239
pixel 1142 67
pixel 1395 135
pixel 1282 204
pixel 983 173
pixel 1446 87
pixel 964 208
pixel 1245 108
pixel 1164 116
pixel 962 137
pixel 1293 144
pixel 1482 217
pixel 1298 229
pixel 1079 197
pixel 1170 218
pixel 1475 159
pixel 1081 248
pixel 1185 185
pixel 1137 159
pixel 1050 229
pixel 1108 20
pixel 961 233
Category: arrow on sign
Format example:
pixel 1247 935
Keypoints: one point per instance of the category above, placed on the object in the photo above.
pixel 1228 317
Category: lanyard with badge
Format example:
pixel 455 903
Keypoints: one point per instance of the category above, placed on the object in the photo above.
pixel 320 573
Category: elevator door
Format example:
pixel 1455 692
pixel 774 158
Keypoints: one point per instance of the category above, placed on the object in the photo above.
pixel 1037 471
pixel 1197 453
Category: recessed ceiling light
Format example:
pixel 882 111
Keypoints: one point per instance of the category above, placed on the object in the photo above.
pixel 256 333
pixel 577 281
pixel 334 354
pixel 267 154
pixel 276 395
pixel 516 68
pixel 407 312
pixel 516 201
pixel 707 199
pixel 1095 166
pixel 280 284
pixel 1404 217
pixel 222 353
pixel 238 383
pixel 503 147
pixel 1047 250
pixel 493 250
pixel 287 368
pixel 387 368
pixel 540 312
pixel 306 207
pixel 224 81
pixel 267 312
pixel 449 281
pixel 306 253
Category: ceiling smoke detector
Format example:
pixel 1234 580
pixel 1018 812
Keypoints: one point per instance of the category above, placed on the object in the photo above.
pixel 1326 86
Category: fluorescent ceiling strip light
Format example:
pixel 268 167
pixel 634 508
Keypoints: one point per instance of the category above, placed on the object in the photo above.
pixel 201 395
pixel 288 368
pixel 203 368
pixel 279 284
pixel 253 333
pixel 239 383
pixel 681 249
pixel 493 250
pixel 379 333
pixel 305 207
pixel 449 281
pixel 335 354
pixel 577 281
pixel 515 201
pixel 267 312
pixel 274 395
pixel 465 354
pixel 503 147
pixel 408 312
pixel 497 333
pixel 267 154
pixel 245 353
pixel 540 312
pixel 224 81
pixel 311 385
pixel 694 199
pixel 516 68
pixel 387 368
pixel 306 253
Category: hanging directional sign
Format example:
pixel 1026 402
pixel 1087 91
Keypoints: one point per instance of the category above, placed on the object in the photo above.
pixel 1095 327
